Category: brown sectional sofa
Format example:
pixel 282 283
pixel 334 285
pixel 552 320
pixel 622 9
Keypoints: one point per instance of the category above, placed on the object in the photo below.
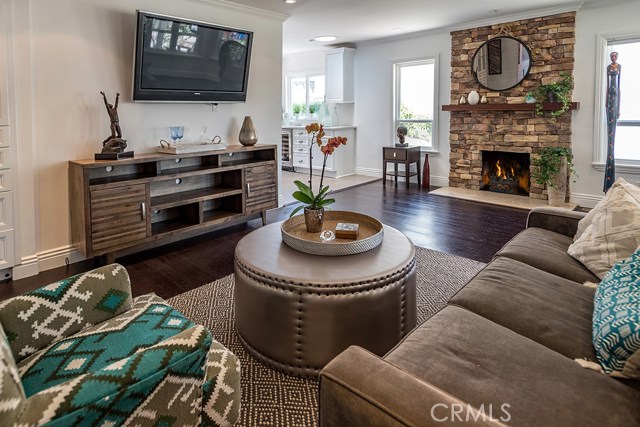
pixel 504 346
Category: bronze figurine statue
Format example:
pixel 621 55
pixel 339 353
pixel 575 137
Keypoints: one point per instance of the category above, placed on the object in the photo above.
pixel 402 133
pixel 114 143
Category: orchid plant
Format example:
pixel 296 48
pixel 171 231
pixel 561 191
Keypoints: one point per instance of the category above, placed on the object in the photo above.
pixel 305 192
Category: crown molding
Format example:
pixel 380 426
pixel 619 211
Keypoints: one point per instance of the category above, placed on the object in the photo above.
pixel 280 17
pixel 501 19
pixel 494 20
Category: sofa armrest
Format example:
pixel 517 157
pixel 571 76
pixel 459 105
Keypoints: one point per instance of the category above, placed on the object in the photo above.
pixel 147 382
pixel 34 320
pixel 221 389
pixel 558 220
pixel 358 389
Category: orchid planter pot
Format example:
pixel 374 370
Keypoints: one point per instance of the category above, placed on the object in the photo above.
pixel 313 219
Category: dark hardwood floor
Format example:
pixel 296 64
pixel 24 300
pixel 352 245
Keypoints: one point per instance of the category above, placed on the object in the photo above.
pixel 468 229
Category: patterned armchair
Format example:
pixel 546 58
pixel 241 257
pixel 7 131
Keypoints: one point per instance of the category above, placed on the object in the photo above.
pixel 82 352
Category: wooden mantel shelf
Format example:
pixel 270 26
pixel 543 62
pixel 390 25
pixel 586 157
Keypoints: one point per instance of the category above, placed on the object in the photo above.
pixel 507 107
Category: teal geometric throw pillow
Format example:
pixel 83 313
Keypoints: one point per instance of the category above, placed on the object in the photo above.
pixel 616 319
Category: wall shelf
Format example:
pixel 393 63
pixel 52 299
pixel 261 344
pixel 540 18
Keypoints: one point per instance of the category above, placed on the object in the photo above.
pixel 547 106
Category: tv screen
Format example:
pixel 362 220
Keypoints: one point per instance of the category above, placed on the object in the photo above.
pixel 181 60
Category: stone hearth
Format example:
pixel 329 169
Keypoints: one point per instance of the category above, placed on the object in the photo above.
pixel 551 40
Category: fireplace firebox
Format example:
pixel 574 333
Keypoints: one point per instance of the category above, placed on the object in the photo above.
pixel 505 172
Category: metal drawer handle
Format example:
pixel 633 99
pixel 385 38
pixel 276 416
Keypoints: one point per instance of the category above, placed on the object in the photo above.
pixel 394 155
pixel 300 161
pixel 248 189
pixel 143 211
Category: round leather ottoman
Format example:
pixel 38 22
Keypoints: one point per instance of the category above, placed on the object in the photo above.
pixel 296 311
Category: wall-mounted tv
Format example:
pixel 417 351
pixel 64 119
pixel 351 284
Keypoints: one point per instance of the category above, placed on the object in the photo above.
pixel 180 60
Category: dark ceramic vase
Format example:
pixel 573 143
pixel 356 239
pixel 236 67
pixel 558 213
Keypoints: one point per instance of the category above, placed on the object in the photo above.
pixel 313 219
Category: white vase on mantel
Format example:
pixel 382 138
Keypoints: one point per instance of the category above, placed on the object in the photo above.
pixel 473 98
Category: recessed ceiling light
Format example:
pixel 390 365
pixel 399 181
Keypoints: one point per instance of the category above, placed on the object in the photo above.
pixel 325 38
pixel 494 11
pixel 397 29
pixel 290 1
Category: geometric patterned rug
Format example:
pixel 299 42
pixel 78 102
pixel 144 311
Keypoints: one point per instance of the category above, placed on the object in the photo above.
pixel 270 398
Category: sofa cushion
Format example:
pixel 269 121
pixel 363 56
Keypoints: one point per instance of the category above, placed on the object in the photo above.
pixel 34 320
pixel 614 231
pixel 483 363
pixel 548 309
pixel 547 251
pixel 158 385
pixel 616 319
pixel 150 321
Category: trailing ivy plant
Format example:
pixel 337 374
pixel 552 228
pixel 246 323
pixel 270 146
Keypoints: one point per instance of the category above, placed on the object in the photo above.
pixel 548 165
pixel 560 89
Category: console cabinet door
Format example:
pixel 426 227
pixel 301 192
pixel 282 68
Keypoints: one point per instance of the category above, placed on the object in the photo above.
pixel 118 216
pixel 261 187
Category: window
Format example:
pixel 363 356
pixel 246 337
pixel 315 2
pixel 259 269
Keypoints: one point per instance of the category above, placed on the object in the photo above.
pixel 627 142
pixel 305 93
pixel 415 98
pixel 628 130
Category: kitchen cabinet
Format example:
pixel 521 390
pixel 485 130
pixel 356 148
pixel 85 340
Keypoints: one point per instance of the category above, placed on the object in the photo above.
pixel 340 163
pixel 339 75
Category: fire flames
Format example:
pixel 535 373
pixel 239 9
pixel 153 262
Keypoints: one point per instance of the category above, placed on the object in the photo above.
pixel 502 172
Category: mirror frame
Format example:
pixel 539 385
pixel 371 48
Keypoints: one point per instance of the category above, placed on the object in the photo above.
pixel 475 75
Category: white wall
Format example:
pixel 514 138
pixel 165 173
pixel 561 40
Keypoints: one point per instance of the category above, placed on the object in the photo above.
pixel 374 99
pixel 374 90
pixel 589 23
pixel 75 48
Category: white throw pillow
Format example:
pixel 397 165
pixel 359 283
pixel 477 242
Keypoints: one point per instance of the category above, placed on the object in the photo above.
pixel 613 233
pixel 588 219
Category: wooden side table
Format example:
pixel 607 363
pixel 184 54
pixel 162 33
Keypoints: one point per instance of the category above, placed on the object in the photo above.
pixel 401 155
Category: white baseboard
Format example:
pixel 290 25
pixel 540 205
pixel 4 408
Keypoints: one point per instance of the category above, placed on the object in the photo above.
pixel 369 172
pixel 439 181
pixel 27 268
pixel 585 200
pixel 46 260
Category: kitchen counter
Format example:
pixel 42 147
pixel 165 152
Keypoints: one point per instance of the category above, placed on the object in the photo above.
pixel 326 127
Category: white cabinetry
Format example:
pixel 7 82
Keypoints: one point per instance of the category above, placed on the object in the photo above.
pixel 4 58
pixel 339 75
pixel 341 163
pixel 7 249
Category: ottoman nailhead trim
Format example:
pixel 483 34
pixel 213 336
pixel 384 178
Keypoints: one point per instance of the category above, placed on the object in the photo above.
pixel 280 284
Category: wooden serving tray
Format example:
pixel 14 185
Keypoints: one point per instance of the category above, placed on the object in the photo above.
pixel 370 234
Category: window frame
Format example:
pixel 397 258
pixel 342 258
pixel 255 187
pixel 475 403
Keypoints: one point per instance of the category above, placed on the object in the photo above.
pixel 599 119
pixel 430 60
pixel 307 77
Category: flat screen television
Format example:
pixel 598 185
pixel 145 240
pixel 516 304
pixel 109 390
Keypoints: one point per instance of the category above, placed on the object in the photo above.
pixel 180 60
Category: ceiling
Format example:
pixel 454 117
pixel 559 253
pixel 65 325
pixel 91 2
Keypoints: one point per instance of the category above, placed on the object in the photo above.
pixel 359 20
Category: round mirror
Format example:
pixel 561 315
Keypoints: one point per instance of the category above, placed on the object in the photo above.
pixel 501 63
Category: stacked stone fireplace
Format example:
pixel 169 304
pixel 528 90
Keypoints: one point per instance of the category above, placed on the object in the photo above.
pixel 551 40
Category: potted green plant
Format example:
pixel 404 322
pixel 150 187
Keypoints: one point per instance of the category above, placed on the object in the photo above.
pixel 298 109
pixel 558 91
pixel 314 109
pixel 551 168
pixel 314 203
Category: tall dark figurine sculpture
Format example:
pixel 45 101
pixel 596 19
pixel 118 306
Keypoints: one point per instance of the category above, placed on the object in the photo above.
pixel 613 113
pixel 402 133
pixel 114 143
